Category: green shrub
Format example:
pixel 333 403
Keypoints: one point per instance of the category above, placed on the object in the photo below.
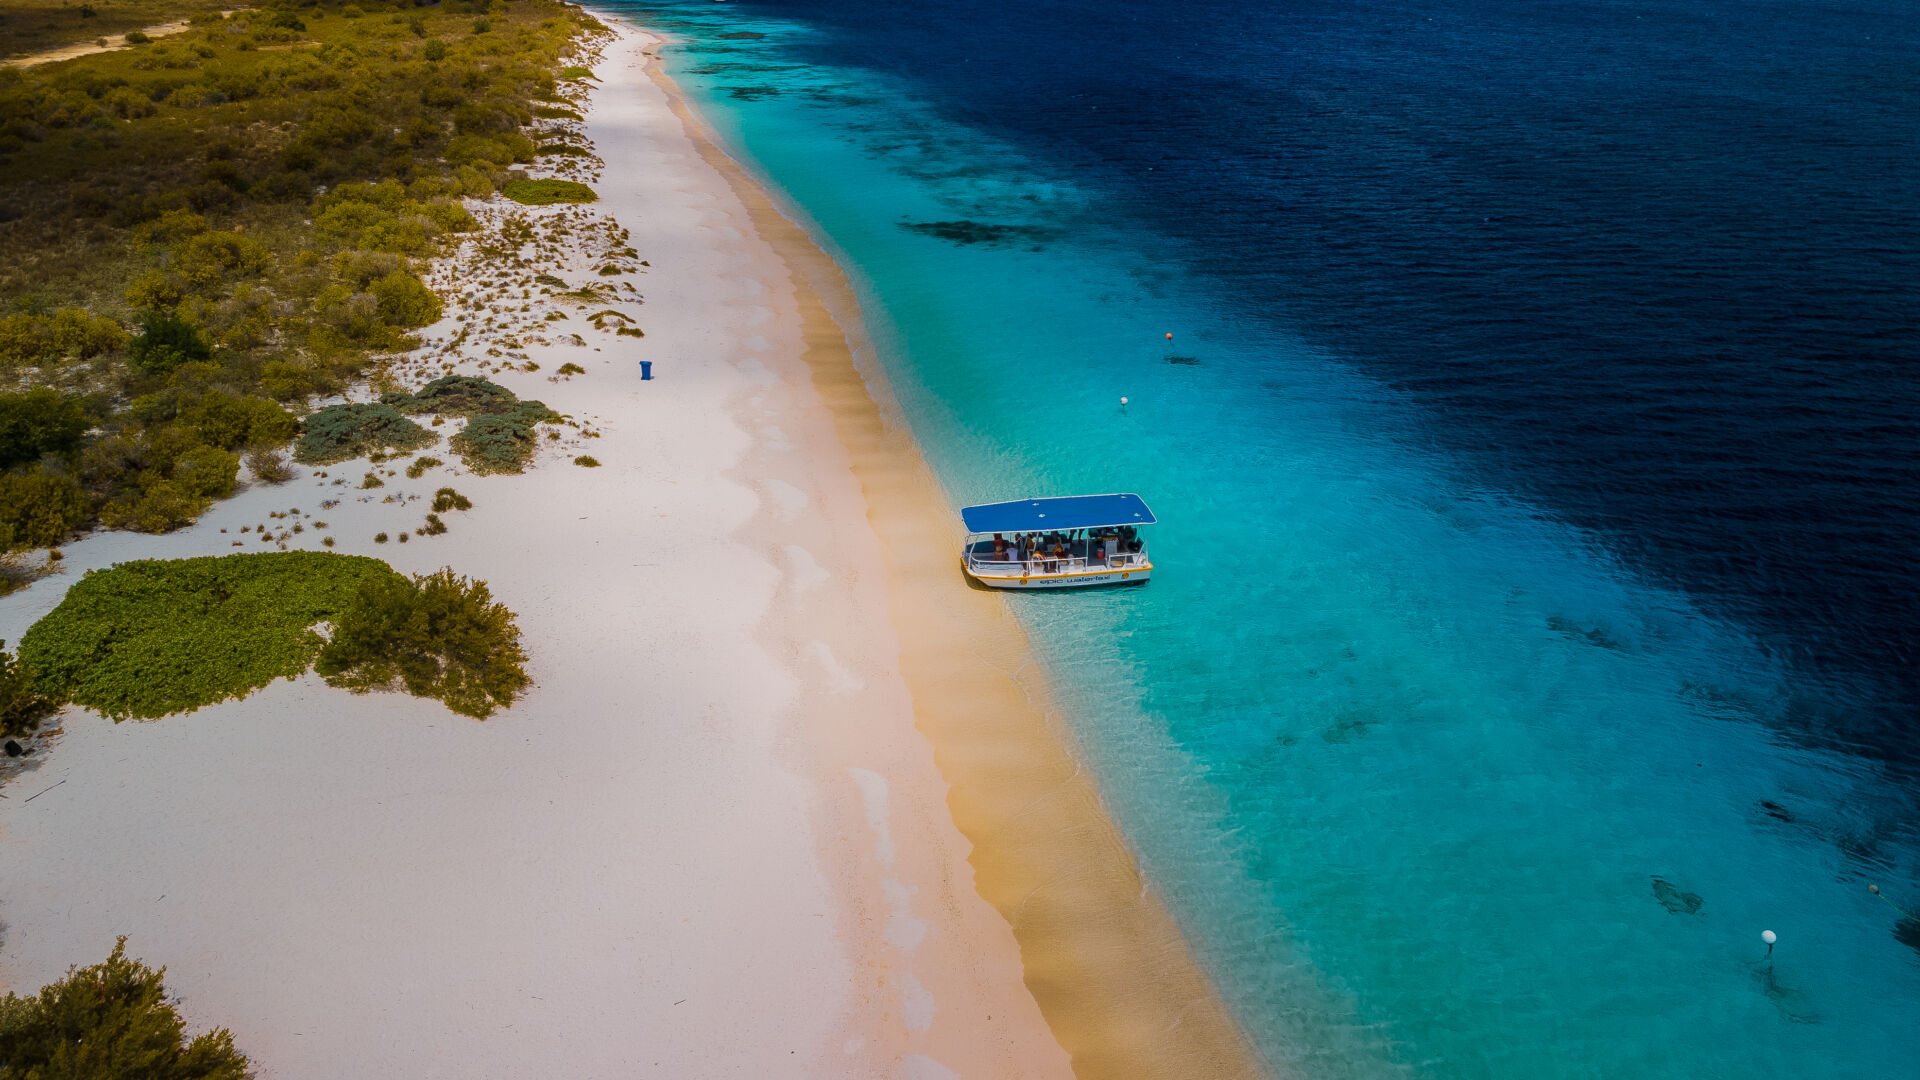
pixel 404 300
pixel 39 509
pixel 418 466
pixel 448 499
pixel 165 342
pixel 158 507
pixel 160 636
pixel 380 538
pixel 455 395
pixel 37 423
pixel 207 470
pixel 434 526
pixel 547 192
pixel 572 369
pixel 371 480
pixel 21 709
pixel 70 333
pixel 434 49
pixel 211 259
pixel 439 635
pixel 111 1021
pixel 230 422
pixel 587 461
pixel 341 432
pixel 502 442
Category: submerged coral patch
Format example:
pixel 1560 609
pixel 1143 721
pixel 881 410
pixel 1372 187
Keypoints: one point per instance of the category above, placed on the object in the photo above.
pixel 981 232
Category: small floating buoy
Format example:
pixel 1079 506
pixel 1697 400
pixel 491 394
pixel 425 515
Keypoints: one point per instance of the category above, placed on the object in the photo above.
pixel 1123 401
pixel 1169 337
pixel 1769 937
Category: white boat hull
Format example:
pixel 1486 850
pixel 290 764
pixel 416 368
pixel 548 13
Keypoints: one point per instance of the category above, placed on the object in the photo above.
pixel 1077 579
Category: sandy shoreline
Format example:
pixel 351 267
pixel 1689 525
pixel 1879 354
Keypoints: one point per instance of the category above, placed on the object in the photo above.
pixel 717 837
pixel 1111 971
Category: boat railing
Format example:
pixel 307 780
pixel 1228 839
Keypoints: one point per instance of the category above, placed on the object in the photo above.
pixel 1066 564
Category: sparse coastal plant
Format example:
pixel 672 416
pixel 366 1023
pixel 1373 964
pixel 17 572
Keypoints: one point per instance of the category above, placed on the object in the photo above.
pixel 380 538
pixel 572 369
pixel 587 461
pixel 371 480
pixel 418 466
pixel 434 526
pixel 268 467
pixel 448 499
pixel 112 1021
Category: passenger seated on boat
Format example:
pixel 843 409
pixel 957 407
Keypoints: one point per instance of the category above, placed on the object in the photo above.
pixel 999 548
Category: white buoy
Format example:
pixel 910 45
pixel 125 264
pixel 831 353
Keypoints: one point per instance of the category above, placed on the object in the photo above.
pixel 1123 401
pixel 1768 936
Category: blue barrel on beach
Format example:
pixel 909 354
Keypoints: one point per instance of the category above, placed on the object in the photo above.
pixel 646 370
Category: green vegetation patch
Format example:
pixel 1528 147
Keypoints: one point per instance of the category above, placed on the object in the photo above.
pixel 502 442
pixel 547 192
pixel 500 435
pixel 158 636
pixel 438 635
pixel 341 432
pixel 247 207
pixel 21 706
pixel 110 1020
pixel 455 395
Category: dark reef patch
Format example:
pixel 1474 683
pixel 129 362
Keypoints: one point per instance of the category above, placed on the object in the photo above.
pixel 1675 899
pixel 981 232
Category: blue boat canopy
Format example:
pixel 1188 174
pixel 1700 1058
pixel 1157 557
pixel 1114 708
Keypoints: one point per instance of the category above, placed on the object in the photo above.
pixel 1046 515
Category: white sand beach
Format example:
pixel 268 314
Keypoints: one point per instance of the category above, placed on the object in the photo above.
pixel 709 842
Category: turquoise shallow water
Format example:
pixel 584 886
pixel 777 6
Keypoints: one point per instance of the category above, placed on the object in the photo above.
pixel 1437 784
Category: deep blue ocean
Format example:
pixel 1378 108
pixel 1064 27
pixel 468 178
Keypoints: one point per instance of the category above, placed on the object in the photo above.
pixel 1538 451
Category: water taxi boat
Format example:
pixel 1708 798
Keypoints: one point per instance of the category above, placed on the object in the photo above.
pixel 1062 543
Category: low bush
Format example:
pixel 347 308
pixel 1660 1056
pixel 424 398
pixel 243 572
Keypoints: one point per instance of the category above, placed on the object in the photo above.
pixel 37 423
pixel 39 508
pixel 159 636
pixel 111 1021
pixel 434 526
pixel 269 467
pixel 455 395
pixel 229 422
pixel 439 635
pixel 502 442
pixel 165 342
pixel 70 333
pixel 342 432
pixel 448 499
pixel 418 466
pixel 548 192
pixel 21 706
pixel 587 461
